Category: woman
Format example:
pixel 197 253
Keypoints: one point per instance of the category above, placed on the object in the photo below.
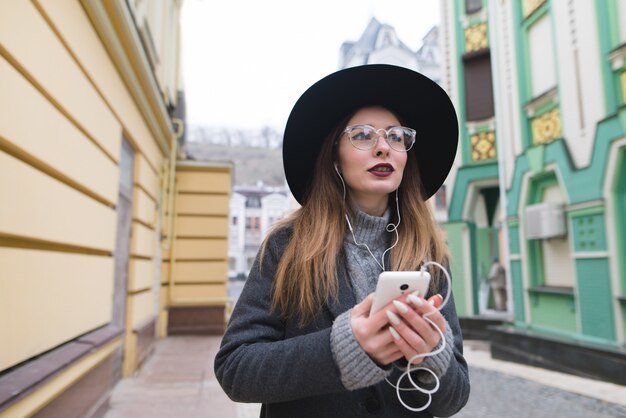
pixel 363 149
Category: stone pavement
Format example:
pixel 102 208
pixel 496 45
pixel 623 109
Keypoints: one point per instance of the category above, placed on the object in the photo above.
pixel 178 381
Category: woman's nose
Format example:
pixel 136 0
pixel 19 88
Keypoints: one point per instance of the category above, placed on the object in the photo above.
pixel 382 146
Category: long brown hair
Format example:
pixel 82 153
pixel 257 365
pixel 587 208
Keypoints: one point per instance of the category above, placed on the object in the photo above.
pixel 305 277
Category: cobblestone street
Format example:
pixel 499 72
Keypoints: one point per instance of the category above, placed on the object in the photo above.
pixel 497 395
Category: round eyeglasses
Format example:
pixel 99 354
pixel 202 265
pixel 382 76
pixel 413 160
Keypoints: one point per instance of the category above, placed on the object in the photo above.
pixel 365 137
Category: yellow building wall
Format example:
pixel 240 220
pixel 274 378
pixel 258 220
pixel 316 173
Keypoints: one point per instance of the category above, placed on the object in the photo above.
pixel 198 270
pixel 64 110
pixel 59 147
pixel 43 303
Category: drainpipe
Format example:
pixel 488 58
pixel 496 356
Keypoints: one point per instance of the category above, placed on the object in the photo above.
pixel 172 202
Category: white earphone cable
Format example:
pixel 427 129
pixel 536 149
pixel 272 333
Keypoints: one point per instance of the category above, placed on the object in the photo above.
pixel 409 368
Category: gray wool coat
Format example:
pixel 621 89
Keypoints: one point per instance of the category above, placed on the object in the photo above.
pixel 291 370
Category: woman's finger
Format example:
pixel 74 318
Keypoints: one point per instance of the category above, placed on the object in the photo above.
pixel 419 325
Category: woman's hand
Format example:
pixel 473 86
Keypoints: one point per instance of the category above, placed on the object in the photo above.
pixel 412 334
pixel 372 333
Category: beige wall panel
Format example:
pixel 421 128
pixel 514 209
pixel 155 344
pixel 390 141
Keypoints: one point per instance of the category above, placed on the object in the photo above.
pixel 164 297
pixel 206 182
pixel 201 271
pixel 165 272
pixel 34 125
pixel 199 293
pixel 165 253
pixel 194 226
pixel 44 208
pixel 194 204
pixel 40 51
pixel 141 274
pixel 162 325
pixel 144 207
pixel 141 308
pixel 142 241
pixel 47 298
pixel 201 248
pixel 146 177
pixel 76 29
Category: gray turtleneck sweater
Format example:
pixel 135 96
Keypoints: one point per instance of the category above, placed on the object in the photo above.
pixel 357 369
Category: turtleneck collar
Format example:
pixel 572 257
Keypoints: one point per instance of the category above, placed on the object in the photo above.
pixel 370 230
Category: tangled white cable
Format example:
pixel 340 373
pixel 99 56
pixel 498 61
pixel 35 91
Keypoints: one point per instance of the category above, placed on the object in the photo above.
pixel 409 367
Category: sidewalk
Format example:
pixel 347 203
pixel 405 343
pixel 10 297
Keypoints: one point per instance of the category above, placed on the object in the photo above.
pixel 178 380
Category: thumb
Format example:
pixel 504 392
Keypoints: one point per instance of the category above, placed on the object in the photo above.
pixel 363 308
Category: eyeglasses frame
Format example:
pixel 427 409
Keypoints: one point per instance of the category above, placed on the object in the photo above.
pixel 349 129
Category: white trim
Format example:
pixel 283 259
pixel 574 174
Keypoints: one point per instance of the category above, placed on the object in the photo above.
pixel 489 123
pixel 499 127
pixel 609 214
pixel 590 254
pixel 467 272
pixel 584 205
pixel 515 257
pixel 470 200
pixel 523 253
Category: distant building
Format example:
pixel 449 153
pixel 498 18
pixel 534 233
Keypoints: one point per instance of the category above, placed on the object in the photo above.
pixel 379 44
pixel 429 55
pixel 253 211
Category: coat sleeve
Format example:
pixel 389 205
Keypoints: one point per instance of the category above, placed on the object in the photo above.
pixel 256 362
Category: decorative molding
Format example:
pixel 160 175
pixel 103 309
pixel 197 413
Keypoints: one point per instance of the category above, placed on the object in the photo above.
pixel 476 38
pixel 549 97
pixel 547 127
pixel 617 57
pixel 483 146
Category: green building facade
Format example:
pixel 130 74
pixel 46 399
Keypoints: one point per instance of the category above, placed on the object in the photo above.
pixel 540 176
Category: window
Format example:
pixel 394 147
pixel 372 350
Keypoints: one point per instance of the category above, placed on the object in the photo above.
pixel 473 6
pixel 252 223
pixel 478 87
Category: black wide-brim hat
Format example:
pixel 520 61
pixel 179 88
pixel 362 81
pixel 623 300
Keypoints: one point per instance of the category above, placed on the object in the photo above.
pixel 416 99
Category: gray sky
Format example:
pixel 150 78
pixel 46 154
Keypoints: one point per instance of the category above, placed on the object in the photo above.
pixel 246 62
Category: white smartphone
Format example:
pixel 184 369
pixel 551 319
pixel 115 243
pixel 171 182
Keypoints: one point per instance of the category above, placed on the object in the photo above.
pixel 393 284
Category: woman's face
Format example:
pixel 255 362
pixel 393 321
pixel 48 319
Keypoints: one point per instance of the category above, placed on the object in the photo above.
pixel 371 175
